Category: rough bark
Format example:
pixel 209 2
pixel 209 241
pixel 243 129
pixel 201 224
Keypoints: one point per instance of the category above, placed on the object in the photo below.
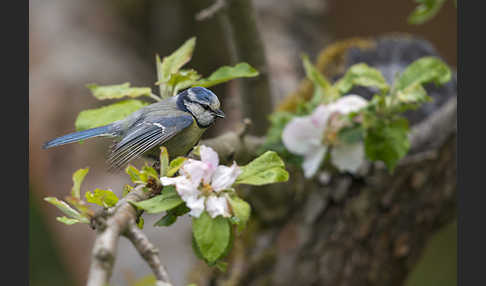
pixel 340 229
pixel 110 225
pixel 367 230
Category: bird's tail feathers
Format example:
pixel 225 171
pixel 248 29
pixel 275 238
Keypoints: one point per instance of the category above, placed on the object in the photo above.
pixel 78 136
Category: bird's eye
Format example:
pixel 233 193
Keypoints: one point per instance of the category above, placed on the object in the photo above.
pixel 205 106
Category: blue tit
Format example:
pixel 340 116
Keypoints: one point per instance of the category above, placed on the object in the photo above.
pixel 177 123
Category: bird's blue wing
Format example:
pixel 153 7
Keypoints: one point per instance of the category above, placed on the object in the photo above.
pixel 144 136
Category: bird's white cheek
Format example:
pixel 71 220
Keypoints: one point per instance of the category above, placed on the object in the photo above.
pixel 205 118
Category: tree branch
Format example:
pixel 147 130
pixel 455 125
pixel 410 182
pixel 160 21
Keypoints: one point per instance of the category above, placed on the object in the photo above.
pixel 236 145
pixel 110 225
pixel 347 230
pixel 248 46
pixel 434 130
pixel 148 251
pixel 239 146
pixel 210 11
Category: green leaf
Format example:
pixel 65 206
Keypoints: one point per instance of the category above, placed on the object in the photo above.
pixel 425 11
pixel 226 73
pixel 180 210
pixel 323 90
pixel 175 165
pixel 117 91
pixel 171 216
pixel 423 70
pixel 212 236
pixel 172 63
pixel 387 141
pixel 169 199
pixel 104 198
pixel 80 206
pixel 126 189
pixel 164 161
pixel 66 209
pixel 68 221
pixel 134 174
pixel 266 169
pixel 414 94
pixel 352 134
pixel 141 176
pixel 92 118
pixel 241 210
pixel 222 266
pixel 148 280
pixel 313 74
pixel 195 248
pixel 181 80
pixel 167 220
pixel 78 178
pixel 362 75
pixel 140 222
pixel 148 172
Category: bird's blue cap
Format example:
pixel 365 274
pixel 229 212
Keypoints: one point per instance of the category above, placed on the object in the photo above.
pixel 203 94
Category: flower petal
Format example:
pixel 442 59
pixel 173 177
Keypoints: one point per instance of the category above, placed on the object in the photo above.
pixel 303 135
pixel 348 157
pixel 319 117
pixel 347 104
pixel 210 157
pixel 184 187
pixel 194 170
pixel 196 205
pixel 300 136
pixel 166 181
pixel 224 177
pixel 313 161
pixel 217 206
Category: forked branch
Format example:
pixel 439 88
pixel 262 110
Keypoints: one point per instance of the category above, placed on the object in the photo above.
pixel 112 223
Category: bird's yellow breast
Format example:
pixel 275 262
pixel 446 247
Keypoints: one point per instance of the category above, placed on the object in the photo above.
pixel 182 143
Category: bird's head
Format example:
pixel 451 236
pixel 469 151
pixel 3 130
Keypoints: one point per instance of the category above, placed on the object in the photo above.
pixel 202 103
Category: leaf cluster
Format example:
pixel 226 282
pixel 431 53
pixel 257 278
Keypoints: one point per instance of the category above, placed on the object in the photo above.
pixel 212 237
pixel 171 79
pixel 77 209
pixel 380 124
pixel 426 10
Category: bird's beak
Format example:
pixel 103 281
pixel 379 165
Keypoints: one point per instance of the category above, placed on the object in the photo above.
pixel 219 113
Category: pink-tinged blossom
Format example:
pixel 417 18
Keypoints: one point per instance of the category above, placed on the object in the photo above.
pixel 202 183
pixel 304 136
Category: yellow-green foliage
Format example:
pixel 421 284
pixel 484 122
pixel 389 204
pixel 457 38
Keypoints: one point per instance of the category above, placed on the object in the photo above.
pixel 331 62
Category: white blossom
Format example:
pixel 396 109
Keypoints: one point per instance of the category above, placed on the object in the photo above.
pixel 217 206
pixel 202 183
pixel 304 136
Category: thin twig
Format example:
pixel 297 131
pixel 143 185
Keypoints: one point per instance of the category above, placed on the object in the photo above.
pixel 243 129
pixel 210 11
pixel 148 251
pixel 232 145
pixel 235 146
